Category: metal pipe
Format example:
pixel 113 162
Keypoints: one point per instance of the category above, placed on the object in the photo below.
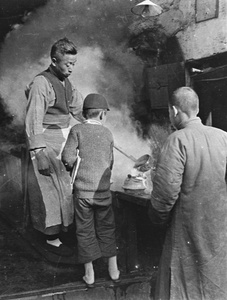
pixel 129 156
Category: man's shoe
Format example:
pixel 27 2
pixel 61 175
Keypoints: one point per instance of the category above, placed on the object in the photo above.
pixel 62 250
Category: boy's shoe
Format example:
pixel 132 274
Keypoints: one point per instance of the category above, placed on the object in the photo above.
pixel 116 280
pixel 89 285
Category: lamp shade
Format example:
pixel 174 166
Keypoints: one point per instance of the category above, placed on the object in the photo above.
pixel 146 9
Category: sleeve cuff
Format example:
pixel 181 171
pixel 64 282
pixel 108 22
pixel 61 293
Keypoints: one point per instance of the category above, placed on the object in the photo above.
pixel 36 141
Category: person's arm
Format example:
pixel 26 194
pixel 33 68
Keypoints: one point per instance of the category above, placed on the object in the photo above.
pixel 39 99
pixel 76 106
pixel 69 153
pixel 167 181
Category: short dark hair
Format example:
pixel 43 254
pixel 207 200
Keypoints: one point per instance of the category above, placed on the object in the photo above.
pixel 90 113
pixel 186 99
pixel 63 46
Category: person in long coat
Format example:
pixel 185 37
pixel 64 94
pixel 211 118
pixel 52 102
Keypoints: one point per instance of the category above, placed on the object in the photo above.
pixel 189 195
pixel 53 102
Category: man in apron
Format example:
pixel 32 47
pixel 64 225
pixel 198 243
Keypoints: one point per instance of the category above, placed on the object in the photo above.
pixel 52 102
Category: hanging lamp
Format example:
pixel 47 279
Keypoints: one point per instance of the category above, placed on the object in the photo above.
pixel 146 9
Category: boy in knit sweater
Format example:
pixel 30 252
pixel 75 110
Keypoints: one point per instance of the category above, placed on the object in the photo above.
pixel 94 217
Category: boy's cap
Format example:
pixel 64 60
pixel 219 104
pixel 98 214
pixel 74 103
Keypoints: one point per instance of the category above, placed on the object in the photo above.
pixel 95 101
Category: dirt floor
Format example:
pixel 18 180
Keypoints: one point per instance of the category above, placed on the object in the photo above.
pixel 23 269
pixel 26 266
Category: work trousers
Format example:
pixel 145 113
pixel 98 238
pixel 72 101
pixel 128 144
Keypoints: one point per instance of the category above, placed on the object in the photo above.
pixel 95 229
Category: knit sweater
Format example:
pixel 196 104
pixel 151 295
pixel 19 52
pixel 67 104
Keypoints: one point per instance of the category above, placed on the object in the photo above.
pixel 95 144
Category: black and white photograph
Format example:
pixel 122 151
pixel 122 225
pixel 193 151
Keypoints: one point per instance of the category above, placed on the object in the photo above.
pixel 113 149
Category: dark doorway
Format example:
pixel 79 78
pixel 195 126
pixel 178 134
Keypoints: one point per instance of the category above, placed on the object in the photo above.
pixel 211 86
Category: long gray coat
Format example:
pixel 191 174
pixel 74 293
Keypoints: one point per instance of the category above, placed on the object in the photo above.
pixel 50 197
pixel 190 192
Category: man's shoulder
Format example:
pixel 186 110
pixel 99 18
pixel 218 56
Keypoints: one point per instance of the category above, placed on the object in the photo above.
pixel 177 137
pixel 198 130
pixel 214 131
pixel 40 79
pixel 39 82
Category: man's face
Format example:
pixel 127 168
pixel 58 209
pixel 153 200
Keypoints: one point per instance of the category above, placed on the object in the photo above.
pixel 64 64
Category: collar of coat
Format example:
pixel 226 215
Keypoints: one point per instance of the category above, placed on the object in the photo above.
pixel 189 122
pixel 90 121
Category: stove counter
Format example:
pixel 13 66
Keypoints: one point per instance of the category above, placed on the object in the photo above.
pixel 137 197
pixel 134 229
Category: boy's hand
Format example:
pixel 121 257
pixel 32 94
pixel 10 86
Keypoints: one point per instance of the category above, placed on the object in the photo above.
pixel 68 166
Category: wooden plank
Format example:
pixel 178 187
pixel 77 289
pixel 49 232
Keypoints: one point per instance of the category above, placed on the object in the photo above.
pixel 62 291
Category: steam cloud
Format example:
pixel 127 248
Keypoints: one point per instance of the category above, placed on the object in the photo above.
pixel 105 65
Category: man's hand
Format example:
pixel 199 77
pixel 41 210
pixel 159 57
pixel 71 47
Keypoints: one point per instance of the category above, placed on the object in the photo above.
pixel 43 163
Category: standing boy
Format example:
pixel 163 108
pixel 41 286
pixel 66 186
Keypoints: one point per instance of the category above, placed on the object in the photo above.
pixel 95 226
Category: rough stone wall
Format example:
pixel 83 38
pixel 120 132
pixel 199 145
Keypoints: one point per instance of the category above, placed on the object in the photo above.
pixel 205 38
pixel 197 40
